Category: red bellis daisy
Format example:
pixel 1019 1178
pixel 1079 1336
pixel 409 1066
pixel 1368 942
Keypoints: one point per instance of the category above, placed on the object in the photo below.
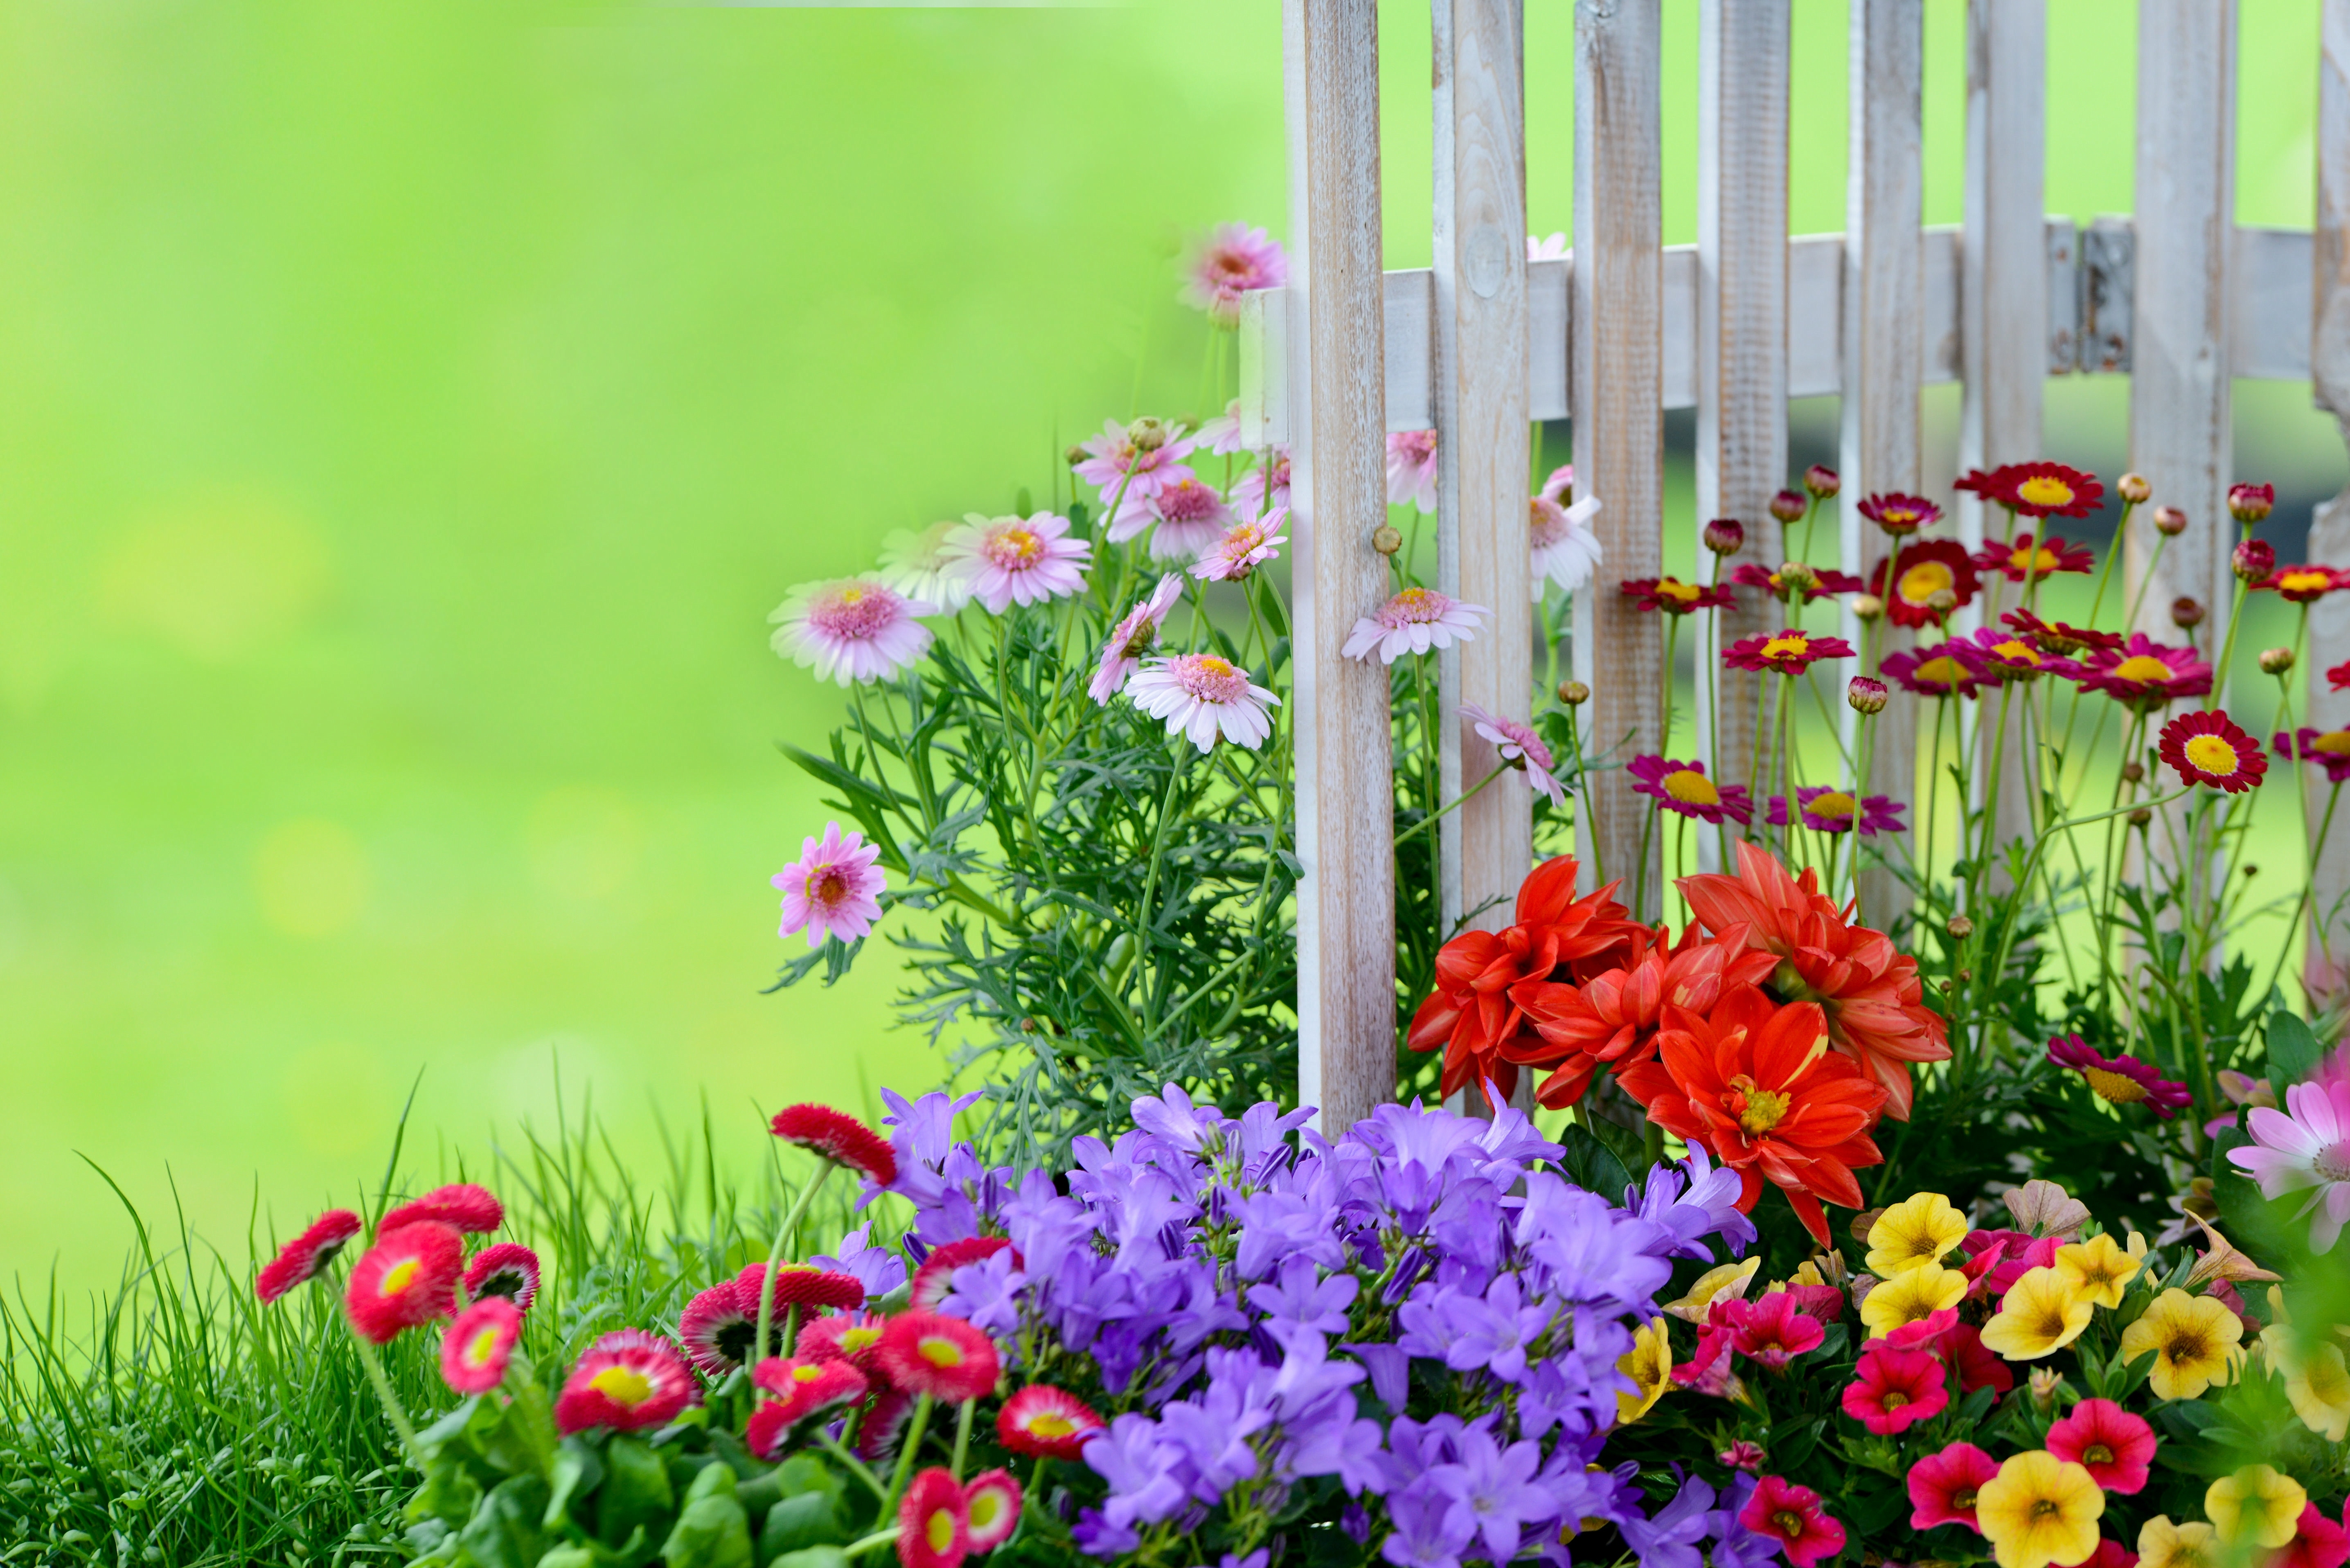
pixel 1044 1423
pixel 306 1257
pixel 2212 749
pixel 476 1347
pixel 408 1278
pixel 628 1380
pixel 935 1278
pixel 1943 1487
pixel 800 1285
pixel 1790 1515
pixel 2114 1447
pixel 854 1337
pixel 472 1210
pixel 2036 489
pixel 933 1522
pixel 508 1270
pixel 945 1357
pixel 992 1504
pixel 884 1421
pixel 838 1137
pixel 801 1389
pixel 716 1329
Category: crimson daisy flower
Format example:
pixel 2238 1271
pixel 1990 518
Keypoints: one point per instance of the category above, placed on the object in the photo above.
pixel 2037 489
pixel 1675 596
pixel 1043 1422
pixel 508 1270
pixel 1612 1018
pixel 1943 1487
pixel 1995 656
pixel 471 1209
pixel 407 1279
pixel 2057 638
pixel 2119 1080
pixel 934 1522
pixel 1683 787
pixel 2212 749
pixel 1790 652
pixel 476 1346
pixel 1790 1515
pixel 991 1502
pixel 2146 674
pixel 1829 810
pixel 1930 671
pixel 1822 581
pixel 852 1336
pixel 1923 567
pixel 2300 585
pixel 2329 748
pixel 1893 1390
pixel 945 1357
pixel 1900 515
pixel 801 1388
pixel 2025 557
pixel 935 1278
pixel 840 1137
pixel 717 1327
pixel 306 1257
pixel 800 1285
pixel 2112 1445
pixel 628 1380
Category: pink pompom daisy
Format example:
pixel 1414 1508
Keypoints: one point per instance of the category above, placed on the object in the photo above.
pixel 1565 549
pixel 802 1285
pixel 801 1389
pixel 1201 696
pixel 508 1270
pixel 628 1380
pixel 476 1348
pixel 916 566
pixel 1411 469
pixel 306 1257
pixel 408 1279
pixel 1249 491
pixel 1244 548
pixel 1132 637
pixel 991 1502
pixel 933 1522
pixel 1191 517
pixel 1519 747
pixel 1413 621
pixel 851 1337
pixel 1020 560
pixel 840 1137
pixel 1129 464
pixel 716 1329
pixel 1233 261
pixel 475 1211
pixel 2306 1144
pixel 945 1357
pixel 1045 1423
pixel 833 888
pixel 855 628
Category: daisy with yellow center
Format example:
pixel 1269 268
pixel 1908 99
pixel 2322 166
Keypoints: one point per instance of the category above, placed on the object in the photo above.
pixel 1790 652
pixel 2039 1315
pixel 2256 1506
pixel 2211 749
pixel 2040 1509
pixel 1918 1291
pixel 2096 1270
pixel 1919 1230
pixel 2195 1343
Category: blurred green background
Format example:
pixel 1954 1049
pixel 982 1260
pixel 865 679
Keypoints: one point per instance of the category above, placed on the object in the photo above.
pixel 409 414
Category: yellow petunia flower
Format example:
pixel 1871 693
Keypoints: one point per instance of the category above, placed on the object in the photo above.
pixel 2256 1505
pixel 2040 1509
pixel 2162 1545
pixel 1649 1363
pixel 1728 1282
pixel 2196 1340
pixel 2041 1313
pixel 2318 1383
pixel 1919 1230
pixel 1909 1296
pixel 2096 1270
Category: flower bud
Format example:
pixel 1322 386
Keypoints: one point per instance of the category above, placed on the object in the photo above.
pixel 1387 539
pixel 2250 869
pixel 1867 607
pixel 2047 1384
pixel 2248 504
pixel 1948 987
pixel 1725 535
pixel 1574 693
pixel 1941 601
pixel 1075 455
pixel 1796 577
pixel 2254 559
pixel 1866 694
pixel 1966 977
pixel 2141 816
pixel 2169 521
pixel 1148 434
pixel 2186 612
pixel 2134 773
pixel 1788 505
pixel 2276 661
pixel 2133 488
pixel 1960 927
pixel 1822 481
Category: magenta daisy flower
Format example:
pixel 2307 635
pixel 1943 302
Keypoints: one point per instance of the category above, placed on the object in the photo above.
pixel 407 1279
pixel 1790 652
pixel 1245 547
pixel 1191 517
pixel 716 1329
pixel 1201 696
pixel 1234 260
pixel 1995 654
pixel 1565 548
pixel 832 889
pixel 628 1380
pixel 1560 485
pixel 2212 749
pixel 1045 1423
pixel 1414 621
pixel 1132 637
pixel 803 1285
pixel 2146 674
pixel 1127 463
pixel 2301 584
pixel 2059 638
pixel 1411 469
pixel 916 566
pixel 306 1257
pixel 840 1137
pixel 508 1270
pixel 1019 560
pixel 475 1211
pixel 1683 787
pixel 2027 556
pixel 2119 1080
pixel 1900 515
pixel 476 1346
pixel 802 1388
pixel 2306 1144
pixel 2329 748
pixel 933 1522
pixel 1825 580
pixel 1519 747
pixel 992 1500
pixel 1829 810
pixel 855 628
pixel 930 1352
pixel 1930 671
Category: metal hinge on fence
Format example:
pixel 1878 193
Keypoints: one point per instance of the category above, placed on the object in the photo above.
pixel 2108 251
pixel 2063 309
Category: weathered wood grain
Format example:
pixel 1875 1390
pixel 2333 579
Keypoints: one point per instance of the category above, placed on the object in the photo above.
pixel 2329 529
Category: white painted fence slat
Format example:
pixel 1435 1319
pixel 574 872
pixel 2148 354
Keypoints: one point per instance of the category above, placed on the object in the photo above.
pixel 2329 529
pixel 1345 901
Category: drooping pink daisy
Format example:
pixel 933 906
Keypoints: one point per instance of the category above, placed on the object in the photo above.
pixel 2329 748
pixel 802 1285
pixel 2119 1080
pixel 476 1346
pixel 408 1278
pixel 2112 1445
pixel 1893 1390
pixel 801 1389
pixel 1519 747
pixel 1413 621
pixel 1232 260
pixel 716 1329
pixel 1411 469
pixel 1559 484
pixel 1792 1516
pixel 628 1380
pixel 1790 652
pixel 1221 435
pixel 1683 787
pixel 1127 463
pixel 1201 696
pixel 1930 671
pixel 1900 515
pixel 1248 490
pixel 306 1257
pixel 855 628
pixel 1565 548
pixel 1943 1487
pixel 1829 810
pixel 475 1210
pixel 831 890
pixel 934 1280
pixel 1242 549
pixel 1020 560
pixel 2146 674
pixel 2306 1144
pixel 1189 518
pixel 930 1352
pixel 991 1501
pixel 508 1270
pixel 840 1137
pixel 2058 638
pixel 1047 1423
pixel 917 568
pixel 1132 637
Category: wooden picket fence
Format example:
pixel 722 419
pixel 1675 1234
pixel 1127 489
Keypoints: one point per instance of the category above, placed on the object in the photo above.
pixel 2179 297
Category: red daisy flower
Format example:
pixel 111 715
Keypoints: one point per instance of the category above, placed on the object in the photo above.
pixel 2037 489
pixel 1790 652
pixel 1899 514
pixel 1923 567
pixel 1930 671
pixel 1612 1018
pixel 991 1502
pixel 476 1346
pixel 854 1337
pixel 933 1522
pixel 1774 1331
pixel 2300 585
pixel 2211 749
pixel 1995 656
pixel 2119 1080
pixel 2057 638
pixel 1893 1390
pixel 935 1278
pixel 2250 503
pixel 508 1270
pixel 1822 581
pixel 2026 556
pixel 306 1257
pixel 1683 787
pixel 2114 1445
pixel 716 1329
pixel 1943 1487
pixel 1044 1423
pixel 838 1137
pixel 945 1357
pixel 2146 674
pixel 1675 596
pixel 628 1380
pixel 800 1285
pixel 471 1209
pixel 1790 1515
pixel 885 1417
pixel 801 1388
pixel 407 1279
pixel 2329 748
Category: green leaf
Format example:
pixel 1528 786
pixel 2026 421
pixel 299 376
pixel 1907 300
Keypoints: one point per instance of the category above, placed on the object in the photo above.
pixel 2293 1051
pixel 568 1557
pixel 712 1532
pixel 636 1491
pixel 577 1469
pixel 448 1496
pixel 504 1531
pixel 812 1557
pixel 807 1519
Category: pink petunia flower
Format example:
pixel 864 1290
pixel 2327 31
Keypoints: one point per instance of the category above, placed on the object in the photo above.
pixel 1191 517
pixel 1943 1487
pixel 1132 637
pixel 1202 697
pixel 2109 1442
pixel 1243 550
pixel 1829 810
pixel 854 628
pixel 1233 261
pixel 831 890
pixel 1020 560
pixel 917 565
pixel 1790 1515
pixel 1411 469
pixel 1248 490
pixel 1519 747
pixel 1893 1390
pixel 2317 1541
pixel 2306 1144
pixel 1127 463
pixel 1413 621
pixel 1773 1330
pixel 1565 548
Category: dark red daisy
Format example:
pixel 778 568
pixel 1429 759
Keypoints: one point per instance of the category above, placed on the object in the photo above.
pixel 838 1137
pixel 2212 749
pixel 307 1255
pixel 1673 596
pixel 2037 489
pixel 475 1210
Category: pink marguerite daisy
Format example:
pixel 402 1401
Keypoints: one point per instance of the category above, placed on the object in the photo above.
pixel 1132 637
pixel 1414 621
pixel 1221 435
pixel 716 1329
pixel 1683 787
pixel 2329 748
pixel 1243 549
pixel 1234 260
pixel 1248 490
pixel 1559 484
pixel 1191 517
pixel 1565 549
pixel 1201 696
pixel 2306 1144
pixel 854 628
pixel 1127 463
pixel 917 567
pixel 1411 469
pixel 1519 747
pixel 1019 560
pixel 831 890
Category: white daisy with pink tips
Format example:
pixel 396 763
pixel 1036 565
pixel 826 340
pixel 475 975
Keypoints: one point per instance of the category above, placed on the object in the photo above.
pixel 1127 463
pixel 918 566
pixel 1133 637
pixel 1565 549
pixel 833 888
pixel 1414 621
pixel 1202 697
pixel 1411 469
pixel 1019 560
pixel 1520 748
pixel 851 629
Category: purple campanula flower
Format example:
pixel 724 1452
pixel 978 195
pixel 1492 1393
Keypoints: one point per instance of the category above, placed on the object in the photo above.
pixel 1490 1492
pixel 1735 1546
pixel 988 1293
pixel 1174 1118
pixel 879 1270
pixel 1300 1298
pixel 1276 1225
pixel 1146 1472
pixel 1669 1537
pixel 1496 1332
pixel 1427 1533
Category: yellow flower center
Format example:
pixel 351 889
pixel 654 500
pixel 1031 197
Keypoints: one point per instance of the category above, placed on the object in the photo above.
pixel 2305 582
pixel 1789 1522
pixel 1793 647
pixel 1922 581
pixel 2332 744
pixel 622 1386
pixel 2043 560
pixel 1209 664
pixel 856 1339
pixel 1414 601
pixel 1942 671
pixel 399 1277
pixel 1691 787
pixel 2117 1088
pixel 1835 803
pixel 1050 1424
pixel 1897 515
pixel 1673 588
pixel 986 1507
pixel 939 1529
pixel 807 1374
pixel 2097 1454
pixel 2142 667
pixel 2046 1507
pixel 2045 490
pixel 1759 1110
pixel 852 595
pixel 1893 1400
pixel 2017 652
pixel 2212 755
pixel 940 1352
pixel 1014 548
pixel 1964 1497
pixel 482 1347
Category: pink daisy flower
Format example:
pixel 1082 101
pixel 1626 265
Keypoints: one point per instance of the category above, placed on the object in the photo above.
pixel 1191 517
pixel 916 566
pixel 1248 492
pixel 716 1329
pixel 1221 435
pixel 1565 549
pixel 475 1211
pixel 407 1279
pixel 1233 261
pixel 306 1257
pixel 1829 810
pixel 1411 469
pixel 1414 621
pixel 2329 748
pixel 1200 697
pixel 946 1357
pixel 855 628
pixel 1519 747
pixel 1559 485
pixel 1550 247
pixel 1020 560
pixel 1132 637
pixel 2119 1080
pixel 2306 1144
pixel 476 1348
pixel 1047 1423
pixel 934 1522
pixel 1127 463
pixel 802 1388
pixel 831 890
pixel 993 1502
pixel 1246 547
pixel 628 1380
pixel 508 1270
pixel 840 1137
pixel 1683 787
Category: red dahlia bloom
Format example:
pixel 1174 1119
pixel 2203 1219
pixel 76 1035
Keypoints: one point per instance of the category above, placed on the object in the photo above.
pixel 2037 489
pixel 1825 580
pixel 628 1380
pixel 1893 1390
pixel 1898 515
pixel 1943 1487
pixel 1044 1423
pixel 1612 1018
pixel 1908 581
pixel 933 1522
pixel 407 1279
pixel 2212 749
pixel 991 1502
pixel 476 1346
pixel 799 1285
pixel 2300 585
pixel 801 1388
pixel 935 1278
pixel 306 1257
pixel 2025 557
pixel 838 1137
pixel 2057 638
pixel 945 1357
pixel 2146 674
pixel 1790 1515
pixel 854 1337
pixel 1673 596
pixel 2329 748
pixel 473 1210
pixel 2114 1447
pixel 1790 652
pixel 716 1329
pixel 508 1270
pixel 1930 671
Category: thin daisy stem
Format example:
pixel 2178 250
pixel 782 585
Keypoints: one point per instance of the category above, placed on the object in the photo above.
pixel 2227 649
pixel 1582 795
pixel 1447 807
pixel 776 1255
pixel 389 1400
pixel 908 1447
pixel 2308 887
pixel 878 1539
pixel 850 1462
pixel 962 1440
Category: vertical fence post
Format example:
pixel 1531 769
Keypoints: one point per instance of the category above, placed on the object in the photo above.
pixel 1482 439
pixel 1617 397
pixel 1335 360
pixel 2329 529
pixel 1742 352
pixel 1884 359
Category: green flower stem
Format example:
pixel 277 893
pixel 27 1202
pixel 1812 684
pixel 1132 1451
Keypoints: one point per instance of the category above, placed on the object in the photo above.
pixel 1583 794
pixel 962 1439
pixel 2308 888
pixel 391 1401
pixel 907 1447
pixel 1449 807
pixel 776 1255
pixel 850 1462
pixel 880 1538
pixel 2227 649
